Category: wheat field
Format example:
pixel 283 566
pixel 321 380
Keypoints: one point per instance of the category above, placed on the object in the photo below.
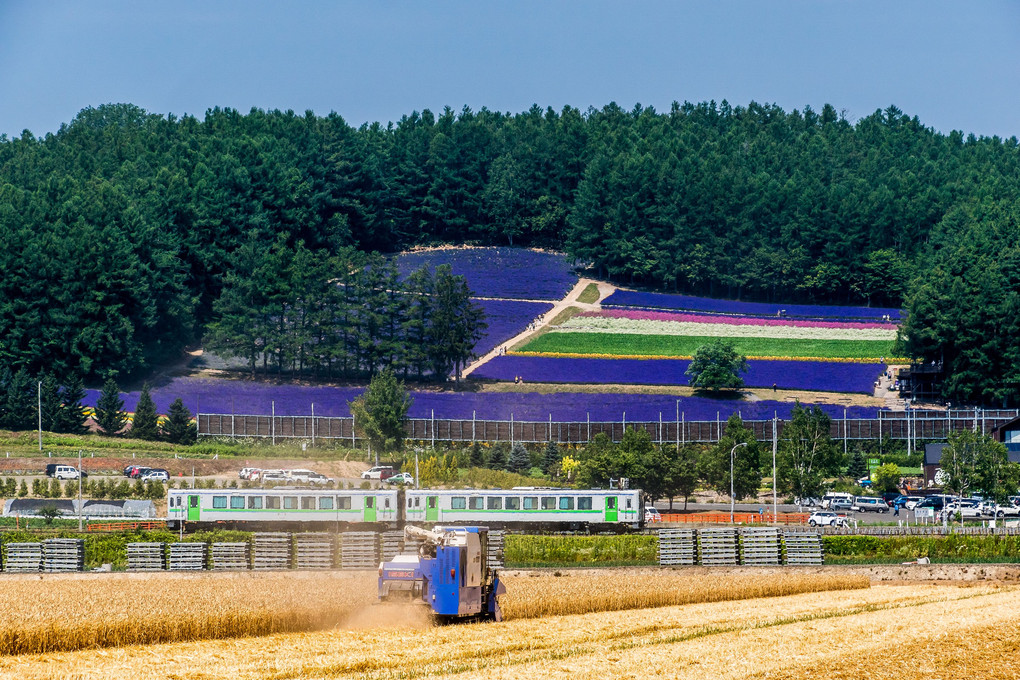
pixel 42 613
pixel 923 630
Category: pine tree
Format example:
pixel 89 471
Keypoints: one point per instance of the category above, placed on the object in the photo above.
pixel 858 466
pixel 497 457
pixel 551 458
pixel 178 428
pixel 71 416
pixel 49 400
pixel 110 414
pixel 477 456
pixel 20 410
pixel 23 489
pixel 145 424
pixel 519 461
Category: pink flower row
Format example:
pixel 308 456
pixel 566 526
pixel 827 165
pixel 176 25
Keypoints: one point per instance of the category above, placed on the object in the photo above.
pixel 731 320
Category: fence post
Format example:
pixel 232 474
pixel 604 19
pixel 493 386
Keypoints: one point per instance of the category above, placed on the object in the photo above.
pixel 313 424
pixel 474 414
pixel 433 427
pixel 272 423
pixel 550 427
pixel 354 443
pixel 683 425
pixel 511 428
pixel 589 428
pixel 845 434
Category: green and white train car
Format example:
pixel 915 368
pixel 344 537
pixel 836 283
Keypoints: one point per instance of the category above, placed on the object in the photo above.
pixel 283 508
pixel 528 508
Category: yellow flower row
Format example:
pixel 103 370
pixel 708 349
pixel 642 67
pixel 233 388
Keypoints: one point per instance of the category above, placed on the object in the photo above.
pixel 594 355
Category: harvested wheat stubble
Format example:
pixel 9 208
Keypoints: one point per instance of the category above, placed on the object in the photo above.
pixel 580 592
pixel 620 644
pixel 108 610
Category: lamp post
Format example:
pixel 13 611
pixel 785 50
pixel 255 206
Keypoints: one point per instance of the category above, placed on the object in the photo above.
pixel 733 452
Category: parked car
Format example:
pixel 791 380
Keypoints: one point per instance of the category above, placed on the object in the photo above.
pixel 1006 510
pixel 807 502
pixel 824 518
pixel 652 514
pixel 405 478
pixel 379 472
pixel 246 473
pixel 65 472
pixel 964 509
pixel 156 475
pixel 934 502
pixel 137 471
pixel 864 482
pixel 274 478
pixel 870 504
pixel 911 501
pixel 318 478
pixel 890 496
pixel 843 504
pixel 828 499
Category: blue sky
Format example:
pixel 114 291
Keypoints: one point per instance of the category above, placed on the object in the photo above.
pixel 955 65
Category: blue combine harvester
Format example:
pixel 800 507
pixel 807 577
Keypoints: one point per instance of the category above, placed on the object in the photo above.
pixel 450 574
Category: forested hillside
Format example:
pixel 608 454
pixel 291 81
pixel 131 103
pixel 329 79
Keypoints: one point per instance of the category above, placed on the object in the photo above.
pixel 119 232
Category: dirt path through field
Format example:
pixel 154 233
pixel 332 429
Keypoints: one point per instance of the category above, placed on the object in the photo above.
pixel 542 323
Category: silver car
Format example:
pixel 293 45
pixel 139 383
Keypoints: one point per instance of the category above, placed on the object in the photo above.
pixel 824 518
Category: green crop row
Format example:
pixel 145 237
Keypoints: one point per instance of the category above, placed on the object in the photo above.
pixel 686 345
pixel 521 551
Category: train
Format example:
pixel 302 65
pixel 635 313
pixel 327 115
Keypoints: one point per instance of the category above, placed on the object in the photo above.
pixel 299 509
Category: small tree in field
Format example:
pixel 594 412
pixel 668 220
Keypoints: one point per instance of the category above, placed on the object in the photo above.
pixel 717 366
pixel 379 413
pixel 145 424
pixel 518 461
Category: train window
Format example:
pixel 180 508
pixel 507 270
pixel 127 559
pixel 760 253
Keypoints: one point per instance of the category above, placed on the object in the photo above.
pixel 629 501
pixel 458 502
pixel 610 503
pixel 193 501
pixel 531 503
pixel 369 502
pixel 343 502
pixel 290 503
pixel 325 503
pixel 476 503
pixel 513 503
pixel 549 503
pixel 432 502
pixel 417 502
pixel 237 502
pixel 272 502
pixel 494 503
pixel 308 502
pixel 219 502
pixel 254 502
pixel 584 503
pixel 386 503
pixel 566 503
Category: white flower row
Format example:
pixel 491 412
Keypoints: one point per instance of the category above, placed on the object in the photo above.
pixel 720 330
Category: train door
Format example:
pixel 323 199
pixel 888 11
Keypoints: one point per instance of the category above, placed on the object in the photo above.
pixel 611 508
pixel 370 508
pixel 432 509
pixel 193 510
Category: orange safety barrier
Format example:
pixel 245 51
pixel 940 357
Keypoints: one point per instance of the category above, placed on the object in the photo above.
pixel 752 518
pixel 125 526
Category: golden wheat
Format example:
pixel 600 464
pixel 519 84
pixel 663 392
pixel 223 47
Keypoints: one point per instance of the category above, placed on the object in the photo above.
pixel 532 596
pixel 58 613
pixel 711 640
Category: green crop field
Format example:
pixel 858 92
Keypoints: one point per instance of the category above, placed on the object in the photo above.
pixel 686 345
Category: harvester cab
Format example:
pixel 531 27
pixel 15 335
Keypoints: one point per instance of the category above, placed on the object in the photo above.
pixel 450 574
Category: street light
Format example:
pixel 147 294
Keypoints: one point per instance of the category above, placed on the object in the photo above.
pixel 733 452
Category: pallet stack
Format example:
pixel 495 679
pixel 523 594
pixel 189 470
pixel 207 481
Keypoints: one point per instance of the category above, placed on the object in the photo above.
pixel 678 547
pixel 146 556
pixel 719 547
pixel 63 554
pixel 187 556
pixel 760 546
pixel 271 550
pixel 803 547
pixel 359 550
pixel 23 558
pixel 391 544
pixel 232 556
pixel 314 551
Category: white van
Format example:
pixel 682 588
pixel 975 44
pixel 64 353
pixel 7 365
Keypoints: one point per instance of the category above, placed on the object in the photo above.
pixel 65 472
pixel 827 499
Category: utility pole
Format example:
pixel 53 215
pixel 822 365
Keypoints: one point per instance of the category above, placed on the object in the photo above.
pixel 39 394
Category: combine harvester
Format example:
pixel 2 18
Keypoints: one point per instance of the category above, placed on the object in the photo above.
pixel 450 575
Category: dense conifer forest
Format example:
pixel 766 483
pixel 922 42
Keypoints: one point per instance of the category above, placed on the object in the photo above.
pixel 120 232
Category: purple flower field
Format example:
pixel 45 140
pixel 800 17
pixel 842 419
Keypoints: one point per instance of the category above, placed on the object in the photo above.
pixel 252 398
pixel 629 298
pixel 803 375
pixel 506 318
pixel 513 273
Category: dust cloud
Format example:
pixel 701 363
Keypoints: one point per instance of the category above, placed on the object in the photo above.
pixel 389 615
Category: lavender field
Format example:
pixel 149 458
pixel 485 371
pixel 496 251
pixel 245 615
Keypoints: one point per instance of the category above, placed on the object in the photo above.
pixel 804 375
pixel 255 398
pixel 506 318
pixel 630 298
pixel 510 273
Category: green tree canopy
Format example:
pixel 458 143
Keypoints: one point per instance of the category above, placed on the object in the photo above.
pixel 109 412
pixel 380 411
pixel 178 427
pixel 806 453
pixel 717 366
pixel 715 464
pixel 145 423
